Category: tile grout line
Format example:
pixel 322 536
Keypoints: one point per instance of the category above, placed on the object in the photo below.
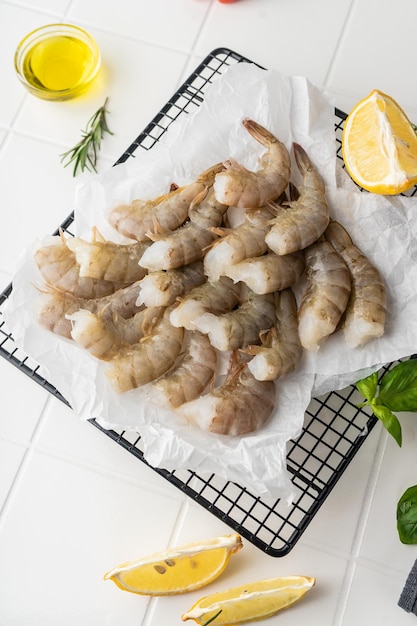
pixel 151 606
pixel 337 48
pixel 23 464
pixel 200 29
pixel 360 529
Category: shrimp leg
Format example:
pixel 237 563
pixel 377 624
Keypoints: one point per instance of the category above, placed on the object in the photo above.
pixel 281 349
pixel 300 222
pixel 366 311
pixel 240 406
pixel 327 294
pixel 237 186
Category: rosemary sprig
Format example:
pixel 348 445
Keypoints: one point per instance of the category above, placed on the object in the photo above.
pixel 84 154
pixel 212 618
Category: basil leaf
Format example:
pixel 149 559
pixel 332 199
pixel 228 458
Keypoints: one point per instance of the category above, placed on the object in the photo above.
pixel 407 516
pixel 398 389
pixel 367 386
pixel 389 420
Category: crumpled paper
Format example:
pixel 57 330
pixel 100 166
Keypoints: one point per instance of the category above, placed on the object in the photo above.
pixel 384 228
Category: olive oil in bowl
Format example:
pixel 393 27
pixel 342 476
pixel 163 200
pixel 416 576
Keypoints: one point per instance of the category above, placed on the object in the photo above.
pixel 57 62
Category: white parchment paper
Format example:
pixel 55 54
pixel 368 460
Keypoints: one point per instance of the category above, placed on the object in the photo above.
pixel 384 228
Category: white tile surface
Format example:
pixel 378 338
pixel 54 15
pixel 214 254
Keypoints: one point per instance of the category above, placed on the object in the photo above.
pixel 83 519
pixel 376 48
pixel 20 412
pixel 11 456
pixel 72 502
pixel 292 41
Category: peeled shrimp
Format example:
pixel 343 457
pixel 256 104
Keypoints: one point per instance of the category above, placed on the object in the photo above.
pixel 366 310
pixel 168 211
pixel 300 222
pixel 194 369
pixel 281 349
pixel 104 336
pixel 53 307
pixel 237 186
pixel 215 297
pixel 59 269
pixel 107 260
pixel 177 248
pixel 142 362
pixel 240 327
pixel 163 287
pixel 240 406
pixel 245 241
pixel 269 272
pixel 327 294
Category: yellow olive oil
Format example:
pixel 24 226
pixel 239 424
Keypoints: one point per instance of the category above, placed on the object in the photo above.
pixel 59 63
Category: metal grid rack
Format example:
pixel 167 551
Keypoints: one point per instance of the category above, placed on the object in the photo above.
pixel 334 428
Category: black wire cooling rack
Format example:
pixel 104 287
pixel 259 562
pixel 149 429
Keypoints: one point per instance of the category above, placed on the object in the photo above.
pixel 334 428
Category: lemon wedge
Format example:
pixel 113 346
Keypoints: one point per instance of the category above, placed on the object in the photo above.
pixel 177 570
pixel 251 602
pixel 379 145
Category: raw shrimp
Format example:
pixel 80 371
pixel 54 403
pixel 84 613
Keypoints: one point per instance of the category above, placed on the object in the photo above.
pixel 366 310
pixel 300 222
pixel 269 272
pixel 240 327
pixel 215 297
pixel 205 211
pixel 163 287
pixel 327 294
pixel 190 375
pixel 168 211
pixel 59 268
pixel 53 307
pixel 281 349
pixel 177 248
pixel 142 362
pixel 237 186
pixel 240 406
pixel 103 336
pixel 245 241
pixel 107 260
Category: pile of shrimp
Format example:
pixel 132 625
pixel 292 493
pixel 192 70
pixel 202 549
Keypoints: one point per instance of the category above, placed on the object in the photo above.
pixel 190 292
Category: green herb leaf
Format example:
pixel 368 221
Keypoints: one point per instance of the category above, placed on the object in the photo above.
pixel 398 389
pixel 368 386
pixel 84 154
pixel 389 420
pixel 407 516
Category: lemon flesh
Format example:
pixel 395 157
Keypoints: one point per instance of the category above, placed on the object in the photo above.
pixel 178 570
pixel 379 145
pixel 246 603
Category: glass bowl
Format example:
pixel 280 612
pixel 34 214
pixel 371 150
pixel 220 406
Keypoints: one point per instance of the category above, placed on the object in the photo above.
pixel 57 61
